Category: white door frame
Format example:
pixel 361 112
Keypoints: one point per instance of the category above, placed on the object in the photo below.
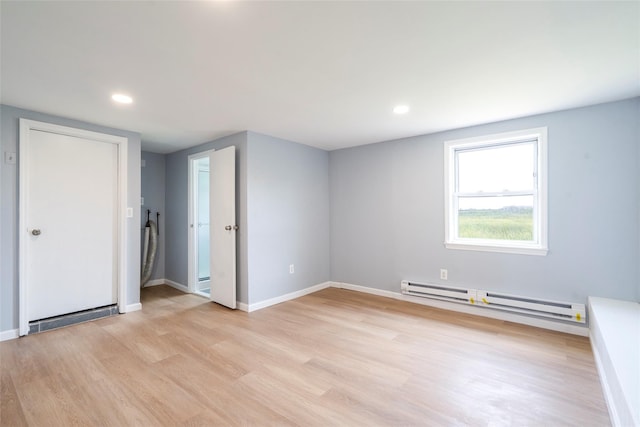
pixel 192 282
pixel 26 126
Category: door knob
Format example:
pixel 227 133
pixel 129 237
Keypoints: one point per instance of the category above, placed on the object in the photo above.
pixel 228 228
pixel 35 232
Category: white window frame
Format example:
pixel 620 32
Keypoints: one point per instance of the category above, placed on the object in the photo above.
pixel 539 244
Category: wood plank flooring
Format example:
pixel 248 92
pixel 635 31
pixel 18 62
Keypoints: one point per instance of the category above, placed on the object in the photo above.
pixel 333 358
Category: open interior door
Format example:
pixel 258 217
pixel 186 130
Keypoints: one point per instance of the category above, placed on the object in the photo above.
pixel 223 228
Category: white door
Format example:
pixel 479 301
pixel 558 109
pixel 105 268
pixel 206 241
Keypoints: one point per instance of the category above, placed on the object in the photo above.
pixel 222 211
pixel 69 243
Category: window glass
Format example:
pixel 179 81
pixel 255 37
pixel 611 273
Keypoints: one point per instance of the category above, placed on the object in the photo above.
pixel 495 189
pixel 496 218
pixel 496 169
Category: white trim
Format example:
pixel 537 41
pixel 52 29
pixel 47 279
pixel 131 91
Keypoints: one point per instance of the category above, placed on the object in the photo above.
pixel 123 156
pixel 155 282
pixel 178 286
pixel 11 334
pixel 192 251
pixel 462 308
pixel 366 290
pixel 478 311
pixel 452 241
pixel 132 307
pixel 121 143
pixel 472 246
pixel 287 297
pixel 470 309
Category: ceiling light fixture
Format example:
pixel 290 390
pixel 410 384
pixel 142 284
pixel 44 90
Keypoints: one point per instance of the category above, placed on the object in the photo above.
pixel 122 98
pixel 401 109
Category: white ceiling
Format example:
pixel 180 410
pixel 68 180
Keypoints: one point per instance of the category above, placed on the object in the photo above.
pixel 325 74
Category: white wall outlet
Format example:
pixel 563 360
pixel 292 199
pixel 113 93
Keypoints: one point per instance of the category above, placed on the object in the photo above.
pixel 9 158
pixel 444 274
pixel 143 163
pixel 129 212
pixel 141 201
pixel 291 269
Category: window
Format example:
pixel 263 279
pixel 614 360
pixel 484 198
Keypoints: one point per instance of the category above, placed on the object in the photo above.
pixel 495 193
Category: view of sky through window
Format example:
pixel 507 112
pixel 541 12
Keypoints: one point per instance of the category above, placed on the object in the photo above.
pixel 497 169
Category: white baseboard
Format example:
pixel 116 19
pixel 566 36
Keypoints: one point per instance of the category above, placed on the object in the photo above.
pixel 241 306
pixel 173 284
pixel 133 307
pixel 178 286
pixel 287 297
pixel 366 290
pixel 461 308
pixel 9 335
pixel 469 309
pixel 155 282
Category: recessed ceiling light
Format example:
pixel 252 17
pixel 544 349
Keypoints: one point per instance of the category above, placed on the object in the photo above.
pixel 122 98
pixel 401 109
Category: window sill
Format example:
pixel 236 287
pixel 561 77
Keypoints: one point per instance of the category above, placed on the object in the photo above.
pixel 487 247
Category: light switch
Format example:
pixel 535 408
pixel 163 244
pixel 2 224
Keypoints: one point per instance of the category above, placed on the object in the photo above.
pixel 129 212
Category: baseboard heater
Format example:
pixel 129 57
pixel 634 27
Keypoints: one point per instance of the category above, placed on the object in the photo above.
pixel 572 312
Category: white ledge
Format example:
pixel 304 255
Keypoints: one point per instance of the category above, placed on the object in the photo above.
pixel 615 338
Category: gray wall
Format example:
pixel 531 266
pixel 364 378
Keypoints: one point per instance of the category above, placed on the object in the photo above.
pixel 288 216
pixel 387 211
pixel 374 215
pixel 282 204
pixel 9 209
pixel 153 189
pixel 177 210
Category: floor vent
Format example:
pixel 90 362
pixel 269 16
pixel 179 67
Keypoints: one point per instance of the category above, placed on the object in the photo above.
pixel 572 312
pixel 72 318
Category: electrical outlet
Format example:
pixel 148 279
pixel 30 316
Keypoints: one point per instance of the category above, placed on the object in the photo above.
pixel 291 269
pixel 443 274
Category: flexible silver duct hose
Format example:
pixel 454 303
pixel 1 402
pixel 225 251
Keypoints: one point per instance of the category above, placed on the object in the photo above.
pixel 149 255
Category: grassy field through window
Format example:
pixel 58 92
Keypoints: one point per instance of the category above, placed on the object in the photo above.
pixel 510 223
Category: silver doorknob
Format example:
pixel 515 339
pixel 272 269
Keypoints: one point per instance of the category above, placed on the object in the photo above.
pixel 228 228
pixel 35 232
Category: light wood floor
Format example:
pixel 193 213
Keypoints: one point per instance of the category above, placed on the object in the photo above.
pixel 335 357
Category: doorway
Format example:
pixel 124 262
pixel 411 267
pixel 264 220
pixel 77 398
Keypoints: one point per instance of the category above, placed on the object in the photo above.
pixel 212 225
pixel 202 279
